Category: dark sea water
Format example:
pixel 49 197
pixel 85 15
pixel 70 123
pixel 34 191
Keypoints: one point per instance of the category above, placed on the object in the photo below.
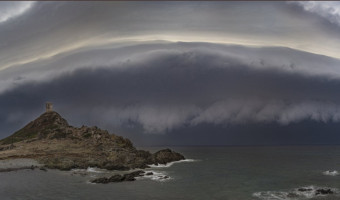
pixel 231 173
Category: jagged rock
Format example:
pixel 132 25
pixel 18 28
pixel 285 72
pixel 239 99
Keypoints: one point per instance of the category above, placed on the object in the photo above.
pixel 166 155
pixel 319 191
pixel 304 189
pixel 104 180
pixel 119 178
pixel 49 123
pixel 136 173
pixel 323 191
pixel 57 145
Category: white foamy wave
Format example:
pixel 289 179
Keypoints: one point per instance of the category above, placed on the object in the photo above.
pixel 268 195
pixel 331 173
pixel 301 193
pixel 171 163
pixel 88 171
pixel 155 176
pixel 78 170
pixel 89 182
pixel 95 170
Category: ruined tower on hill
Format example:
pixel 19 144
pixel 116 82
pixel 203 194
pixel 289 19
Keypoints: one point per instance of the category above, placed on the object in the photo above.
pixel 49 107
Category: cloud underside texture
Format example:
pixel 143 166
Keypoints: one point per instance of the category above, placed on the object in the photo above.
pixel 165 87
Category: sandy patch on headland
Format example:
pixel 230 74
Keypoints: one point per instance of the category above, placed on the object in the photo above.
pixel 16 164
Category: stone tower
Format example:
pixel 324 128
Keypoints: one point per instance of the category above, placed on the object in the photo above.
pixel 49 107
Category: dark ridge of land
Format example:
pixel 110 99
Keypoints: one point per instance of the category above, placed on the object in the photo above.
pixel 54 143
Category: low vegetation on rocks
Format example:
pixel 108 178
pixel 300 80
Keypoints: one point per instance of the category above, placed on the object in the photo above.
pixel 50 140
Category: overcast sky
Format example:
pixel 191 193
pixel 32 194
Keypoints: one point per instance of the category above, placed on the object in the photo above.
pixel 176 73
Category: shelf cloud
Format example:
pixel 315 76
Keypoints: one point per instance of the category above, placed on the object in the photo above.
pixel 163 68
pixel 164 86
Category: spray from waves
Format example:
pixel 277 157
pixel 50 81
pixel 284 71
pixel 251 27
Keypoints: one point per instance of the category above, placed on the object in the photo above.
pixel 301 193
pixel 90 170
pixel 330 173
pixel 155 176
pixel 96 170
pixel 171 163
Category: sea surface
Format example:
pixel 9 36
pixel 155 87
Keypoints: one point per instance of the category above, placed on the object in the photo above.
pixel 229 173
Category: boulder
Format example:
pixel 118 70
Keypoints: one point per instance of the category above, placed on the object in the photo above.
pixel 304 189
pixel 323 191
pixel 105 180
pixel 119 178
pixel 166 155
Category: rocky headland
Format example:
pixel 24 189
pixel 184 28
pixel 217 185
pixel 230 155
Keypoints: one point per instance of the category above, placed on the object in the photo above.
pixel 54 144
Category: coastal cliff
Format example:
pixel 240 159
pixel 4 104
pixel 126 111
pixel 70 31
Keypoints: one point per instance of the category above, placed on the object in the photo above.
pixel 51 141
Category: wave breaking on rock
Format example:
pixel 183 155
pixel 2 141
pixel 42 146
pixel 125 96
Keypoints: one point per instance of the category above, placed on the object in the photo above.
pixel 54 143
pixel 300 193
pixel 330 173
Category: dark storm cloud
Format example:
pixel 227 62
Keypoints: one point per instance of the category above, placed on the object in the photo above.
pixel 119 65
pixel 162 87
pixel 47 29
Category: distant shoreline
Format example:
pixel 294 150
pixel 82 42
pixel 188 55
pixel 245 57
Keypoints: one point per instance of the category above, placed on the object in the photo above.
pixel 15 164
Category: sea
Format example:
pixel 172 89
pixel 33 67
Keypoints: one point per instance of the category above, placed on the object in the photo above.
pixel 223 172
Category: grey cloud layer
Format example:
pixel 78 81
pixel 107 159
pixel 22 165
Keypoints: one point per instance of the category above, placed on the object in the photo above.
pixel 53 28
pixel 83 57
pixel 166 86
pixel 329 10
pixel 9 10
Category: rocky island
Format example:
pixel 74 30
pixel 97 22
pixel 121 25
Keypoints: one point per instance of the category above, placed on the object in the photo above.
pixel 55 144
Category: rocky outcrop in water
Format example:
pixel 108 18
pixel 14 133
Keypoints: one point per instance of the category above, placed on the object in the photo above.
pixel 128 177
pixel 54 143
pixel 308 192
pixel 323 191
pixel 119 178
pixel 166 155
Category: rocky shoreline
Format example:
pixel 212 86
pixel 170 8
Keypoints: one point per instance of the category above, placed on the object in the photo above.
pixel 54 144
pixel 119 178
pixel 20 164
pixel 125 177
